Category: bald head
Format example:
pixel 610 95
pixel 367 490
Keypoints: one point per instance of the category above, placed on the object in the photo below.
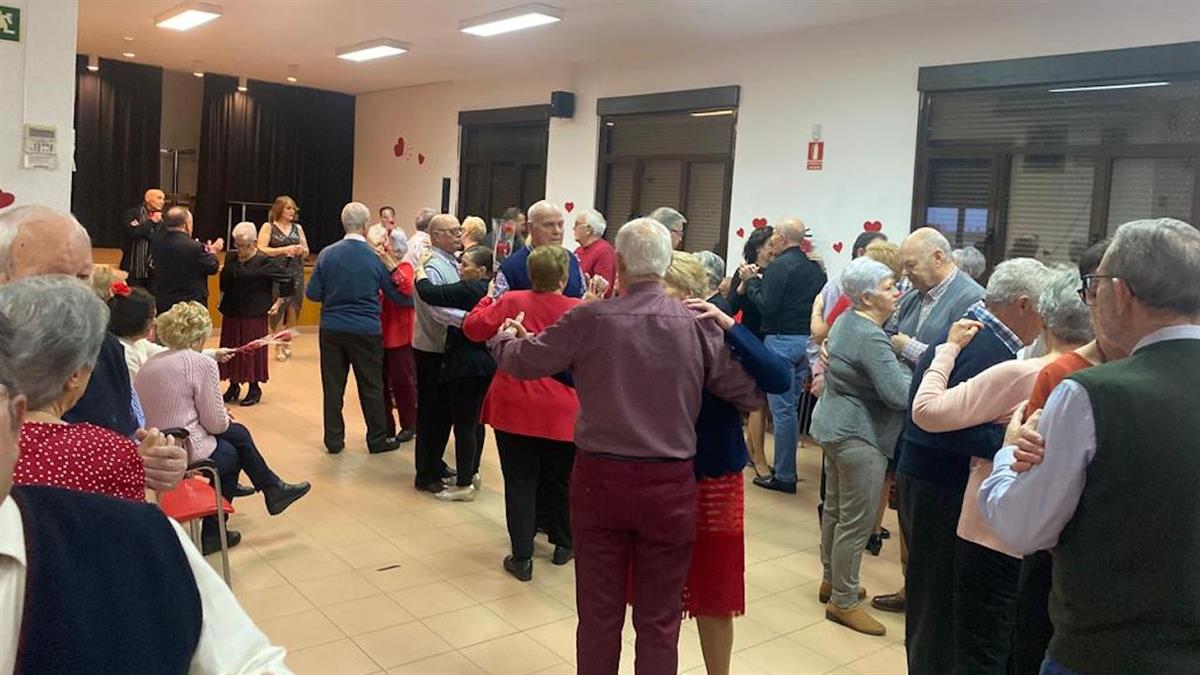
pixel 927 258
pixel 546 224
pixel 445 233
pixel 154 199
pixel 37 240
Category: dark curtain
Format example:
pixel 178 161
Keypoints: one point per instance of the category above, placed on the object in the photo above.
pixel 118 113
pixel 275 140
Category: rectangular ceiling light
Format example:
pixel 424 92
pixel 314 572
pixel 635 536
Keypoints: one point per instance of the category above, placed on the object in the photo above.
pixel 509 20
pixel 187 16
pixel 373 49
pixel 1105 87
pixel 712 113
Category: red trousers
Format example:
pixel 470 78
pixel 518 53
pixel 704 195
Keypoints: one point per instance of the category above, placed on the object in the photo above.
pixel 625 512
pixel 400 385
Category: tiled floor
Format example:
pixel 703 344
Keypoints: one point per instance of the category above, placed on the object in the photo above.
pixel 367 575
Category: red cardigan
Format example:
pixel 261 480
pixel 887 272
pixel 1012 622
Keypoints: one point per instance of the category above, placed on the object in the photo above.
pixel 397 321
pixel 542 408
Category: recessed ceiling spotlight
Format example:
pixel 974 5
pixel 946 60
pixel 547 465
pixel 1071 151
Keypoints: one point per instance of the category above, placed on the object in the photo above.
pixel 187 16
pixel 129 55
pixel 508 20
pixel 293 70
pixel 198 68
pixel 93 63
pixel 372 49
pixel 242 84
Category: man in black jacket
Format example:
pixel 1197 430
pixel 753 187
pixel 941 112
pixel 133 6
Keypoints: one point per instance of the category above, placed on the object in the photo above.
pixel 182 264
pixel 142 225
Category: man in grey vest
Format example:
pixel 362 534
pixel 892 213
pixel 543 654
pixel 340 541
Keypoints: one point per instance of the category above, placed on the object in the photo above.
pixel 1110 481
pixel 941 295
pixel 429 345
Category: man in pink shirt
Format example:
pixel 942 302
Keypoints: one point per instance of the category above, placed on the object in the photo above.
pixel 597 258
pixel 633 491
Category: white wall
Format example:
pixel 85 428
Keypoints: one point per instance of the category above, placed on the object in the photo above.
pixel 37 85
pixel 859 81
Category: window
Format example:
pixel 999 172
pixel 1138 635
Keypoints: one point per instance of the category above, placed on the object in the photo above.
pixel 501 163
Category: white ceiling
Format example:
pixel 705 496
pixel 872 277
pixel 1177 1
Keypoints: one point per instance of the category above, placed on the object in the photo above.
pixel 259 38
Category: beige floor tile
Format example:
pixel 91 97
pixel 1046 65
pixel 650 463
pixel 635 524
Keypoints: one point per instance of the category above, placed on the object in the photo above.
pixel 558 637
pixel 783 616
pixel 337 588
pixel 511 655
pixel 400 575
pixel 837 643
pixel 452 564
pixel 428 600
pixel 527 610
pixel 367 614
pixel 784 656
pixel 405 643
pixel 302 630
pixel 254 576
pixel 889 661
pixel 375 553
pixel 451 663
pixel 469 626
pixel 427 541
pixel 490 585
pixel 268 603
pixel 777 577
pixel 748 631
pixel 477 532
pixel 338 533
pixel 335 658
pixel 311 565
pixel 560 669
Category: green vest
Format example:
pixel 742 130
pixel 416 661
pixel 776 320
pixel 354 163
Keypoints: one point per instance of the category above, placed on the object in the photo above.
pixel 1126 593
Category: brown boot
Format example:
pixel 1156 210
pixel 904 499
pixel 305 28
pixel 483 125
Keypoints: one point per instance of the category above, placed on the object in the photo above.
pixel 826 592
pixel 856 618
pixel 893 602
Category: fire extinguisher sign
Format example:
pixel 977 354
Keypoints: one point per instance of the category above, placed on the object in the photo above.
pixel 816 155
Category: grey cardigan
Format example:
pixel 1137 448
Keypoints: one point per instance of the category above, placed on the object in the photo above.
pixel 962 292
pixel 866 388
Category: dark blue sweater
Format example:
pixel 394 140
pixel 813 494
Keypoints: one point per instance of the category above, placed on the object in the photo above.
pixel 108 400
pixel 945 458
pixel 347 281
pixel 516 272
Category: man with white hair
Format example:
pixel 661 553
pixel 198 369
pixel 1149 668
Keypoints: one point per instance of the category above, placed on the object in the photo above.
pixel 143 223
pixel 1106 475
pixel 546 225
pixel 970 260
pixel 933 470
pixel 597 258
pixel 418 243
pixel 633 494
pixel 347 280
pixel 784 296
pixel 673 221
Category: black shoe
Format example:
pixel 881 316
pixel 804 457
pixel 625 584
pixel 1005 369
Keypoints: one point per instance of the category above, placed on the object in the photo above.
pixel 447 472
pixel 874 544
pixel 432 486
pixel 243 491
pixel 281 496
pixel 233 393
pixel 389 444
pixel 335 449
pixel 884 533
pixel 253 396
pixel 210 545
pixel 521 569
pixel 774 483
pixel 563 555
pixel 893 602
pixel 406 435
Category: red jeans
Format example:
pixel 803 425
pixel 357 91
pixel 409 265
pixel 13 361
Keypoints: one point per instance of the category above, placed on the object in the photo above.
pixel 400 385
pixel 623 512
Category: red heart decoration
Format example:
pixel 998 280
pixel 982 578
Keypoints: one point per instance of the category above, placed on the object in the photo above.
pixel 872 226
pixel 420 158
pixel 6 199
pixel 741 232
pixel 837 246
pixel 569 206
pixel 398 148
pixel 759 223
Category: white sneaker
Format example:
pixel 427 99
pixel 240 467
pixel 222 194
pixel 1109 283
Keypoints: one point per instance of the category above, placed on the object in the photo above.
pixel 457 494
pixel 476 481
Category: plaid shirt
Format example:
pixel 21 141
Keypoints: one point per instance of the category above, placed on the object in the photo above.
pixel 980 313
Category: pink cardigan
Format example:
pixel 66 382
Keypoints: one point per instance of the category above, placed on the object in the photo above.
pixel 991 396
pixel 181 388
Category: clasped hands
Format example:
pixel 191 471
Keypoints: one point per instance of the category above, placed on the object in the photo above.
pixel 1030 445
pixel 514 327
pixel 165 460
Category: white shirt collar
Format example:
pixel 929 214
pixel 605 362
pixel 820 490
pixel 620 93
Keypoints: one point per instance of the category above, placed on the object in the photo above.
pixel 1186 332
pixel 12 531
pixel 355 237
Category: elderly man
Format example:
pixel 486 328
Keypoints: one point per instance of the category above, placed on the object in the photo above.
pixel 183 264
pixel 933 469
pixel 970 260
pixel 784 296
pixel 347 280
pixel 434 419
pixel 418 243
pixel 633 494
pixel 597 258
pixel 37 240
pixel 142 226
pixel 1115 464
pixel 546 224
pixel 673 221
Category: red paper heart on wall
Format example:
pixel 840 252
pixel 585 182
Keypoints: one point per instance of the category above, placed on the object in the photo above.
pixel 6 199
pixel 398 148
pixel 420 158
pixel 759 223
pixel 741 232
pixel 837 246
pixel 872 226
pixel 569 206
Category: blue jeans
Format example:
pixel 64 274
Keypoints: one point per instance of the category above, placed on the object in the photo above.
pixel 783 406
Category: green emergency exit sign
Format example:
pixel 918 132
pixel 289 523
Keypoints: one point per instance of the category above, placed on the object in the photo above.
pixel 10 24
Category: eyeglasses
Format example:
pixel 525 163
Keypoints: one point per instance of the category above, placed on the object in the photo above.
pixel 1088 293
pixel 456 232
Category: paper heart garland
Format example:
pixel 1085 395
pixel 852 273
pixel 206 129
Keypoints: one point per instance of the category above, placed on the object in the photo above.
pixel 759 223
pixel 398 148
pixel 741 232
pixel 872 226
pixel 420 158
pixel 6 199
pixel 837 246
pixel 569 206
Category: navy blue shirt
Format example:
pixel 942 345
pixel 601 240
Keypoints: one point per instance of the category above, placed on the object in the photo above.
pixel 108 400
pixel 347 281
pixel 515 269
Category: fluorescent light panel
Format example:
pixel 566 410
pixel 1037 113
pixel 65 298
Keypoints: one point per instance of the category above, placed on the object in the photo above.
pixel 187 16
pixel 373 49
pixel 509 20
pixel 712 113
pixel 1105 87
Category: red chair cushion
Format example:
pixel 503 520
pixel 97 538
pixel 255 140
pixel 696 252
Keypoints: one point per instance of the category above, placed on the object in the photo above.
pixel 194 498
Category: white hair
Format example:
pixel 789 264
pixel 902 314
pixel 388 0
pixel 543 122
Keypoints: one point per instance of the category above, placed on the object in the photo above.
pixel 792 230
pixel 970 260
pixel 1015 278
pixel 355 216
pixel 644 245
pixel 377 234
pixel 13 219
pixel 862 277
pixel 1063 312
pixel 714 267
pixel 545 205
pixel 1159 260
pixel 245 230
pixel 595 220
pixel 669 217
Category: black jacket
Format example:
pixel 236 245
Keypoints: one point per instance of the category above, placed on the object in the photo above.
pixel 138 228
pixel 786 292
pixel 463 357
pixel 181 269
pixel 740 302
pixel 247 288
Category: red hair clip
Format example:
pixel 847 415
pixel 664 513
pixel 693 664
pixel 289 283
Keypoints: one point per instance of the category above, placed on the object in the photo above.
pixel 120 288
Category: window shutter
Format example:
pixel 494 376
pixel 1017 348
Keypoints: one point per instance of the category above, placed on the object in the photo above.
pixel 1049 208
pixel 705 199
pixel 1151 188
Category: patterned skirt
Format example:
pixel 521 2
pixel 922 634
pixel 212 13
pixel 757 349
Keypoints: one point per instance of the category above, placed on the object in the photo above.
pixel 248 367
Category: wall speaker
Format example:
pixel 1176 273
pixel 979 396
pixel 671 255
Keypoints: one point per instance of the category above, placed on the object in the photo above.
pixel 562 104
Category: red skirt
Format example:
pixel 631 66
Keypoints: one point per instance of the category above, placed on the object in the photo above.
pixel 246 367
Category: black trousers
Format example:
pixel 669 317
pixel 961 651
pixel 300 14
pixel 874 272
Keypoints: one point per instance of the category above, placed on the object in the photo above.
pixel 1033 630
pixel 466 401
pixel 364 353
pixel 985 603
pixel 434 417
pixel 928 521
pixel 527 462
pixel 235 453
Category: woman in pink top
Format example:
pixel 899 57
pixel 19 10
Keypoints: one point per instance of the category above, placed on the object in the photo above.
pixel 180 388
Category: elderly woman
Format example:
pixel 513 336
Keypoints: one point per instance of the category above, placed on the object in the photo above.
pixel 282 237
pixel 857 421
pixel 757 253
pixel 474 232
pixel 714 275
pixel 180 388
pixel 396 326
pixel 60 324
pixel 970 260
pixel 248 281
